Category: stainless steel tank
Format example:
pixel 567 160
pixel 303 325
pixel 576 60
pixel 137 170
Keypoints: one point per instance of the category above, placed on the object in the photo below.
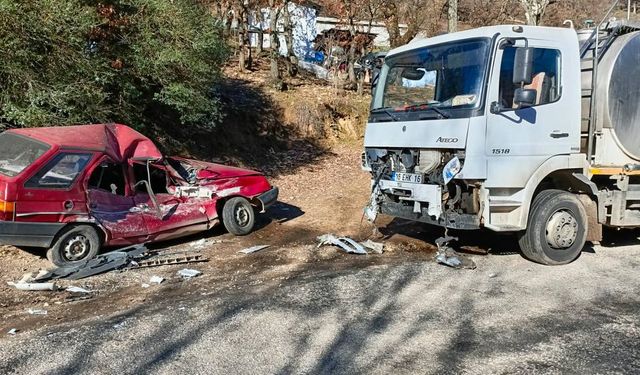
pixel 617 91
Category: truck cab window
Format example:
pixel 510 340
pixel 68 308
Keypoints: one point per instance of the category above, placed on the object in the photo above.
pixel 108 177
pixel 546 76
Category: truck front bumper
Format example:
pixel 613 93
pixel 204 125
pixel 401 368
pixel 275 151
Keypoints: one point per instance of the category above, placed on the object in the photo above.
pixel 28 234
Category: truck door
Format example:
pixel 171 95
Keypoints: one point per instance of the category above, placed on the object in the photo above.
pixel 519 140
pixel 112 205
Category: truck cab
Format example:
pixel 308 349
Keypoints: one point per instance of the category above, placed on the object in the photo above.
pixel 466 129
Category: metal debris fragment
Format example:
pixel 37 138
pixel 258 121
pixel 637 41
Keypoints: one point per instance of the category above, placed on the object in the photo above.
pixel 13 331
pixel 37 311
pixel 77 289
pixel 254 249
pixel 186 258
pixel 156 279
pixel 375 247
pixel 188 273
pixel 346 244
pixel 449 257
pixel 33 286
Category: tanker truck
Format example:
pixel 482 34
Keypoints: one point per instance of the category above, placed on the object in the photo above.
pixel 522 129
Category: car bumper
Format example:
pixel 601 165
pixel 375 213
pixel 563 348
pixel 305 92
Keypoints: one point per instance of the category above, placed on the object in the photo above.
pixel 28 234
pixel 267 199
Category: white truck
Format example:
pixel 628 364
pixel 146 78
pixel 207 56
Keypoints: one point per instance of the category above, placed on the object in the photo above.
pixel 532 130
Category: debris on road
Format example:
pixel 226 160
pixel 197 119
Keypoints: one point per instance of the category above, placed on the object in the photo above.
pixel 449 257
pixel 375 247
pixel 77 289
pixel 254 249
pixel 13 331
pixel 346 244
pixel 145 285
pixel 156 279
pixel 188 273
pixel 37 311
pixel 33 286
pixel 167 260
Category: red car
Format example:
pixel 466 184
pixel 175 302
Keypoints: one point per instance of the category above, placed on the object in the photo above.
pixel 75 189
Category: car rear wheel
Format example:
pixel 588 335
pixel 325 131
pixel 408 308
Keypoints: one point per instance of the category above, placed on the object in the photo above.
pixel 557 229
pixel 238 216
pixel 74 246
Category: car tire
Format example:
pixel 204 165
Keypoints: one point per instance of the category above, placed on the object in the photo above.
pixel 557 228
pixel 238 216
pixel 74 245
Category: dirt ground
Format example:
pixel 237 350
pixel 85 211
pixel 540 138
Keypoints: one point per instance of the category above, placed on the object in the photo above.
pixel 325 197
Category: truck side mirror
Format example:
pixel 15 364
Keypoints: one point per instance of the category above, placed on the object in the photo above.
pixel 525 97
pixel 523 66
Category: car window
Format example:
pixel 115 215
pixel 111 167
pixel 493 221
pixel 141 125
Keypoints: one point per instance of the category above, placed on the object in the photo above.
pixel 546 76
pixel 158 178
pixel 108 177
pixel 18 152
pixel 61 172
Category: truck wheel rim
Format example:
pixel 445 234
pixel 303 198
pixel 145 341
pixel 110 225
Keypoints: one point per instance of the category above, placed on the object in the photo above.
pixel 76 248
pixel 242 216
pixel 562 230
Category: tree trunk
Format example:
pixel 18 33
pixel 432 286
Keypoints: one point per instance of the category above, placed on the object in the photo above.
pixel 274 40
pixel 288 37
pixel 260 36
pixel 453 16
pixel 241 39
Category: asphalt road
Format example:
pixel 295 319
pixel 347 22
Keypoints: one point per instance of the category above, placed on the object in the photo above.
pixel 507 316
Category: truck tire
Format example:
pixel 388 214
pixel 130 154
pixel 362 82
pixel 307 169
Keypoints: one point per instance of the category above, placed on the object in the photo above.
pixel 74 245
pixel 238 216
pixel 557 229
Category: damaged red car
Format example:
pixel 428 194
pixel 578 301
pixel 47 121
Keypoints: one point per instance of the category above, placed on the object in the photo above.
pixel 76 189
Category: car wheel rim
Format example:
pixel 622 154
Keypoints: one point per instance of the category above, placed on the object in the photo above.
pixel 242 216
pixel 562 230
pixel 76 248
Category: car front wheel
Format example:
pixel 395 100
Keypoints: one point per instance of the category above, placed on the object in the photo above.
pixel 74 246
pixel 238 216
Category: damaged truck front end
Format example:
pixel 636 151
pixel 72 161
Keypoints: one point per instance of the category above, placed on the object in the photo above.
pixel 426 103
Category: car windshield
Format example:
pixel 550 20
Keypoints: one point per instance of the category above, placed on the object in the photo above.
pixel 17 153
pixel 449 75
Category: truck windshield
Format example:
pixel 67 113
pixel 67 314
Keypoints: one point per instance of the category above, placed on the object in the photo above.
pixel 437 78
pixel 17 153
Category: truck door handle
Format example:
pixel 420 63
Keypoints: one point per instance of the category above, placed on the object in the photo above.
pixel 558 134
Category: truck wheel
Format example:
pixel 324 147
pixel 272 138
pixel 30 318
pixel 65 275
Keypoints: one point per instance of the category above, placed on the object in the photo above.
pixel 74 246
pixel 557 229
pixel 238 216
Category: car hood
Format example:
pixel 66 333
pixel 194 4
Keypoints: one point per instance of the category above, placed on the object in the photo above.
pixel 212 171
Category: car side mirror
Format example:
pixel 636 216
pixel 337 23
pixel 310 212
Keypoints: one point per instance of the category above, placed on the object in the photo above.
pixel 523 66
pixel 156 206
pixel 525 97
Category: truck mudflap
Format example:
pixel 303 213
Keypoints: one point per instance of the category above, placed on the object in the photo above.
pixel 267 199
pixel 28 234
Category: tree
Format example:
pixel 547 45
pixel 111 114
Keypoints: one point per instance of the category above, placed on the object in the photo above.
pixel 418 15
pixel 452 15
pixel 144 63
pixel 535 9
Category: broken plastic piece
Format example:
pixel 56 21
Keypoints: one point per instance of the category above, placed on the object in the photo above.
pixel 77 289
pixel 346 244
pixel 145 285
pixel 447 256
pixel 156 279
pixel 13 331
pixel 375 247
pixel 254 249
pixel 451 169
pixel 33 286
pixel 37 311
pixel 188 273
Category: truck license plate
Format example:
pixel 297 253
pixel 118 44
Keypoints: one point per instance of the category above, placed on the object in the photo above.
pixel 407 177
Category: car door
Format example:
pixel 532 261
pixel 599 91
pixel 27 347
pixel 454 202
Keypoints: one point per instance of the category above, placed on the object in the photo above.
pixel 53 193
pixel 112 204
pixel 166 215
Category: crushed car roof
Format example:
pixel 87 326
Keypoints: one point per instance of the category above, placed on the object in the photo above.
pixel 118 141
